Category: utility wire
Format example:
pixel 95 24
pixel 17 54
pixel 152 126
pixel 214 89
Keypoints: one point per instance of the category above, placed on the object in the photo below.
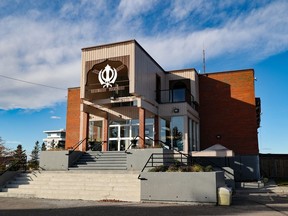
pixel 32 83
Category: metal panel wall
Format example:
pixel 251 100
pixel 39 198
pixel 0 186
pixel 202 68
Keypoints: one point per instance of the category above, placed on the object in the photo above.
pixel 186 74
pixel 145 75
pixel 106 52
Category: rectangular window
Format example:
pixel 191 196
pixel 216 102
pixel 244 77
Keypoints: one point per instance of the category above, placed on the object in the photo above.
pixel 177 129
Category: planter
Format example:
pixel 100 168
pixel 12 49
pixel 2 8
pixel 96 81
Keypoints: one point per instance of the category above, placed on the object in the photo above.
pixel 200 187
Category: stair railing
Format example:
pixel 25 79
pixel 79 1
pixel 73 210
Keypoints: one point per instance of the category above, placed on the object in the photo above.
pixel 132 143
pixel 77 145
pixel 16 165
pixel 100 143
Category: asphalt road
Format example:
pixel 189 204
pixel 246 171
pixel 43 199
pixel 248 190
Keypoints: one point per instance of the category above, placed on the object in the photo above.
pixel 244 203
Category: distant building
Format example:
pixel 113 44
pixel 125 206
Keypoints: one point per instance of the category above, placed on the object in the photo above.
pixel 55 138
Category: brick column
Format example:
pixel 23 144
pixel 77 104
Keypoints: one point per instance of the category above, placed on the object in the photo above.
pixel 84 130
pixel 141 128
pixel 105 134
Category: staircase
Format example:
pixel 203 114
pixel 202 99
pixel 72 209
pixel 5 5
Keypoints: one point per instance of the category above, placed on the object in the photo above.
pixel 84 185
pixel 101 161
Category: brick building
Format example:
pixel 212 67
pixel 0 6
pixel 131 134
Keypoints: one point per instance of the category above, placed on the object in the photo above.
pixel 125 94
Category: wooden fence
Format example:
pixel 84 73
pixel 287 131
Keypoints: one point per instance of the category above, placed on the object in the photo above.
pixel 274 165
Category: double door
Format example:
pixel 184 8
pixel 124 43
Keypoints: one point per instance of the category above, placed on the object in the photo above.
pixel 120 136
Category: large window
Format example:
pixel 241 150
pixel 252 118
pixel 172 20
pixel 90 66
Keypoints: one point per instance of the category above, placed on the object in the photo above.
pixel 193 135
pixel 177 132
pixel 95 131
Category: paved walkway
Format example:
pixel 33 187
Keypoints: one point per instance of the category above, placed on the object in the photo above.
pixel 271 200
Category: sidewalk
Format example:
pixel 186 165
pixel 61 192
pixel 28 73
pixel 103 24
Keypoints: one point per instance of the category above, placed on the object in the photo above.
pixel 267 201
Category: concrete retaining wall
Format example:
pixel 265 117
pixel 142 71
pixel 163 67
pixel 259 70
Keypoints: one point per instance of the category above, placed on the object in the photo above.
pixel 137 158
pixel 181 186
pixel 58 160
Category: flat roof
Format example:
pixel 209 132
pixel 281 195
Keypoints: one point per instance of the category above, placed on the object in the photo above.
pixel 54 131
pixel 230 71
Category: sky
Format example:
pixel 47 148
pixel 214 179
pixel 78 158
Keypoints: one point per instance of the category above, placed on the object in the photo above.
pixel 41 41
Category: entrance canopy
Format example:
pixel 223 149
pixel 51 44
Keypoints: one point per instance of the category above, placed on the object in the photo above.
pixel 216 150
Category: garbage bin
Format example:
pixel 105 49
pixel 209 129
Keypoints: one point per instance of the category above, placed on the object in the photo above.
pixel 224 196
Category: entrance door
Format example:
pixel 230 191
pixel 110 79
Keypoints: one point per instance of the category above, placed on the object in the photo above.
pixel 121 134
pixel 119 137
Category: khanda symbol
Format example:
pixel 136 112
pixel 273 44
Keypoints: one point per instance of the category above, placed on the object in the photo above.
pixel 107 76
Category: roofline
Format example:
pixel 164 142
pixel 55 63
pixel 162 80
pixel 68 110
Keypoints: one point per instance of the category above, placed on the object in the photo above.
pixel 181 70
pixel 125 42
pixel 149 56
pixel 109 44
pixel 71 88
pixel 231 71
pixel 50 131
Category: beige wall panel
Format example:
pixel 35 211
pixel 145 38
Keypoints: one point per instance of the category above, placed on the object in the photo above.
pixel 109 51
pixel 184 109
pixel 145 74
pixel 186 74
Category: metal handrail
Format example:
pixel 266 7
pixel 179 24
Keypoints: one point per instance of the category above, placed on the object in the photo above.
pixel 100 142
pixel 19 162
pixel 77 145
pixel 133 142
pixel 163 144
pixel 214 164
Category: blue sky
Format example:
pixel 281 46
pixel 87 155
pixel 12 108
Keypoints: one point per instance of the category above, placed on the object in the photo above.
pixel 41 41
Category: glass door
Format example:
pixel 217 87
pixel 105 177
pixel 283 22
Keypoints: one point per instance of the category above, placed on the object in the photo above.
pixel 121 134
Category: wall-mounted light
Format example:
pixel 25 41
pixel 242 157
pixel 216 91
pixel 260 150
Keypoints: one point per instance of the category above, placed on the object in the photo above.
pixel 176 110
pixel 218 136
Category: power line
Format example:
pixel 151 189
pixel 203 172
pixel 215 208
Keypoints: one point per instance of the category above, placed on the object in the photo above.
pixel 32 83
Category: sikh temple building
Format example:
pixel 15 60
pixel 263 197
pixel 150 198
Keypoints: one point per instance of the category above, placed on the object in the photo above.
pixel 126 95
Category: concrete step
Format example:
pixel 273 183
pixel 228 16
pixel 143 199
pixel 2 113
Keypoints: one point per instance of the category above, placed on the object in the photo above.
pixel 75 185
pixel 101 161
pixel 96 188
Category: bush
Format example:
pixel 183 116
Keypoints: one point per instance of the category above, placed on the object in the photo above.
pixel 173 168
pixel 160 168
pixel 197 168
pixel 208 168
pixel 185 169
pixel 177 167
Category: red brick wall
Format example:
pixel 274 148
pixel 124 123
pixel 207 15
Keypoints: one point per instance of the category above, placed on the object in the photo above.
pixel 73 117
pixel 227 108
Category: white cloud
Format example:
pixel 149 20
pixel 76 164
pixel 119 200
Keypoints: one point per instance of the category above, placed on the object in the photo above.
pixel 55 117
pixel 48 51
pixel 259 34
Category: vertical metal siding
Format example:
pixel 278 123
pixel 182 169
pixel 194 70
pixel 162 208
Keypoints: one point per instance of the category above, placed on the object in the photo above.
pixel 107 52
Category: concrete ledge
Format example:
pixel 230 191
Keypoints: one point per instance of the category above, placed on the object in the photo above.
pixel 181 186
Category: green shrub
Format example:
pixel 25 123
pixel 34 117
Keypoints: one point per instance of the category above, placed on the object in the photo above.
pixel 208 168
pixel 160 168
pixel 173 168
pixel 197 168
pixel 185 169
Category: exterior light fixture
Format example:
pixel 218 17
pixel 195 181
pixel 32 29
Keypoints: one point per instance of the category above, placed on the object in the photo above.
pixel 176 110
pixel 218 136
